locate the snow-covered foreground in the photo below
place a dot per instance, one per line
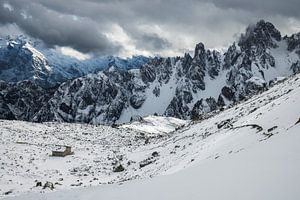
(250, 151)
(26, 149)
(269, 170)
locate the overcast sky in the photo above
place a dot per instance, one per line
(148, 27)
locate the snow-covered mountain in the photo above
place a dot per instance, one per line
(22, 58)
(184, 87)
(248, 151)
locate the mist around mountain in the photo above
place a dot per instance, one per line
(112, 90)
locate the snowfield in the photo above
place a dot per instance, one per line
(248, 151)
(156, 125)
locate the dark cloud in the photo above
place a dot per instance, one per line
(154, 26)
(153, 42)
(57, 29)
(288, 8)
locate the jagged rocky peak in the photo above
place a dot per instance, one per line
(148, 73)
(231, 56)
(213, 63)
(186, 63)
(262, 34)
(293, 42)
(200, 55)
(199, 50)
(20, 61)
(158, 69)
(204, 60)
(185, 87)
(24, 58)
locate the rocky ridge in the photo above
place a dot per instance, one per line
(184, 87)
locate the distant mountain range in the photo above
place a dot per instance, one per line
(39, 85)
(22, 58)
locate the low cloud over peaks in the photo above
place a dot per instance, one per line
(148, 27)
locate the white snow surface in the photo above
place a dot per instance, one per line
(156, 124)
(248, 151)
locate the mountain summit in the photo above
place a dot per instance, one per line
(184, 87)
(22, 58)
(263, 35)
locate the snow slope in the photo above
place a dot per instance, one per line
(269, 170)
(248, 151)
(156, 125)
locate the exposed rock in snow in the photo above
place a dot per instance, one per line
(187, 87)
(250, 150)
(184, 87)
(22, 100)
